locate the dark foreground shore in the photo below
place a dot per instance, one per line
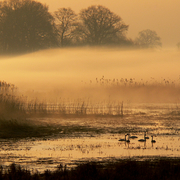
(162, 168)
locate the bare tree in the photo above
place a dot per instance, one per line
(178, 45)
(148, 39)
(100, 25)
(66, 23)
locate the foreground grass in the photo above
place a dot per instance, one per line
(164, 168)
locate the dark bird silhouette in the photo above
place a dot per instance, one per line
(142, 140)
(123, 139)
(128, 138)
(153, 141)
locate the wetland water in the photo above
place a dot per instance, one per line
(82, 139)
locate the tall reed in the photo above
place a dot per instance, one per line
(116, 91)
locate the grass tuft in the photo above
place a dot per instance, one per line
(163, 168)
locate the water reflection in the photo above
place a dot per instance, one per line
(72, 147)
(54, 151)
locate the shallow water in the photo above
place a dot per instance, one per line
(96, 139)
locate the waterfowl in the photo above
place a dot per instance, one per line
(128, 138)
(153, 141)
(142, 140)
(123, 139)
(146, 137)
(133, 137)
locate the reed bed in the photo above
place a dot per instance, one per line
(110, 102)
(133, 83)
(11, 105)
(15, 110)
(75, 107)
(108, 97)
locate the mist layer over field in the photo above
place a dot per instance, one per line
(79, 71)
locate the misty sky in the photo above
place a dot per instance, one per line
(163, 16)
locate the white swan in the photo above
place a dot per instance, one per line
(153, 141)
(123, 139)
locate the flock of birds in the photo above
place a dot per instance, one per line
(134, 137)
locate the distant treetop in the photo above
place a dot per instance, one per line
(27, 25)
(148, 39)
(101, 26)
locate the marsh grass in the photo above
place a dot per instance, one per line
(108, 101)
(152, 90)
(108, 96)
(159, 168)
(15, 109)
(15, 106)
(74, 107)
(134, 83)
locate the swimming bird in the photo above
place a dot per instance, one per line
(133, 137)
(153, 141)
(123, 139)
(128, 138)
(142, 140)
(146, 137)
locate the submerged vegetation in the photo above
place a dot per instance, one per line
(163, 168)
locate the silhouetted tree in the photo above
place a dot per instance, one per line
(148, 39)
(101, 26)
(178, 45)
(66, 23)
(25, 25)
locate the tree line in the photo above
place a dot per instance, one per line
(27, 25)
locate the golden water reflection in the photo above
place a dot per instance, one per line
(44, 154)
(94, 138)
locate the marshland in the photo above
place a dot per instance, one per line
(68, 107)
(89, 91)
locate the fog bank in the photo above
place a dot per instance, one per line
(73, 68)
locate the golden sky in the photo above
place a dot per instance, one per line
(163, 16)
